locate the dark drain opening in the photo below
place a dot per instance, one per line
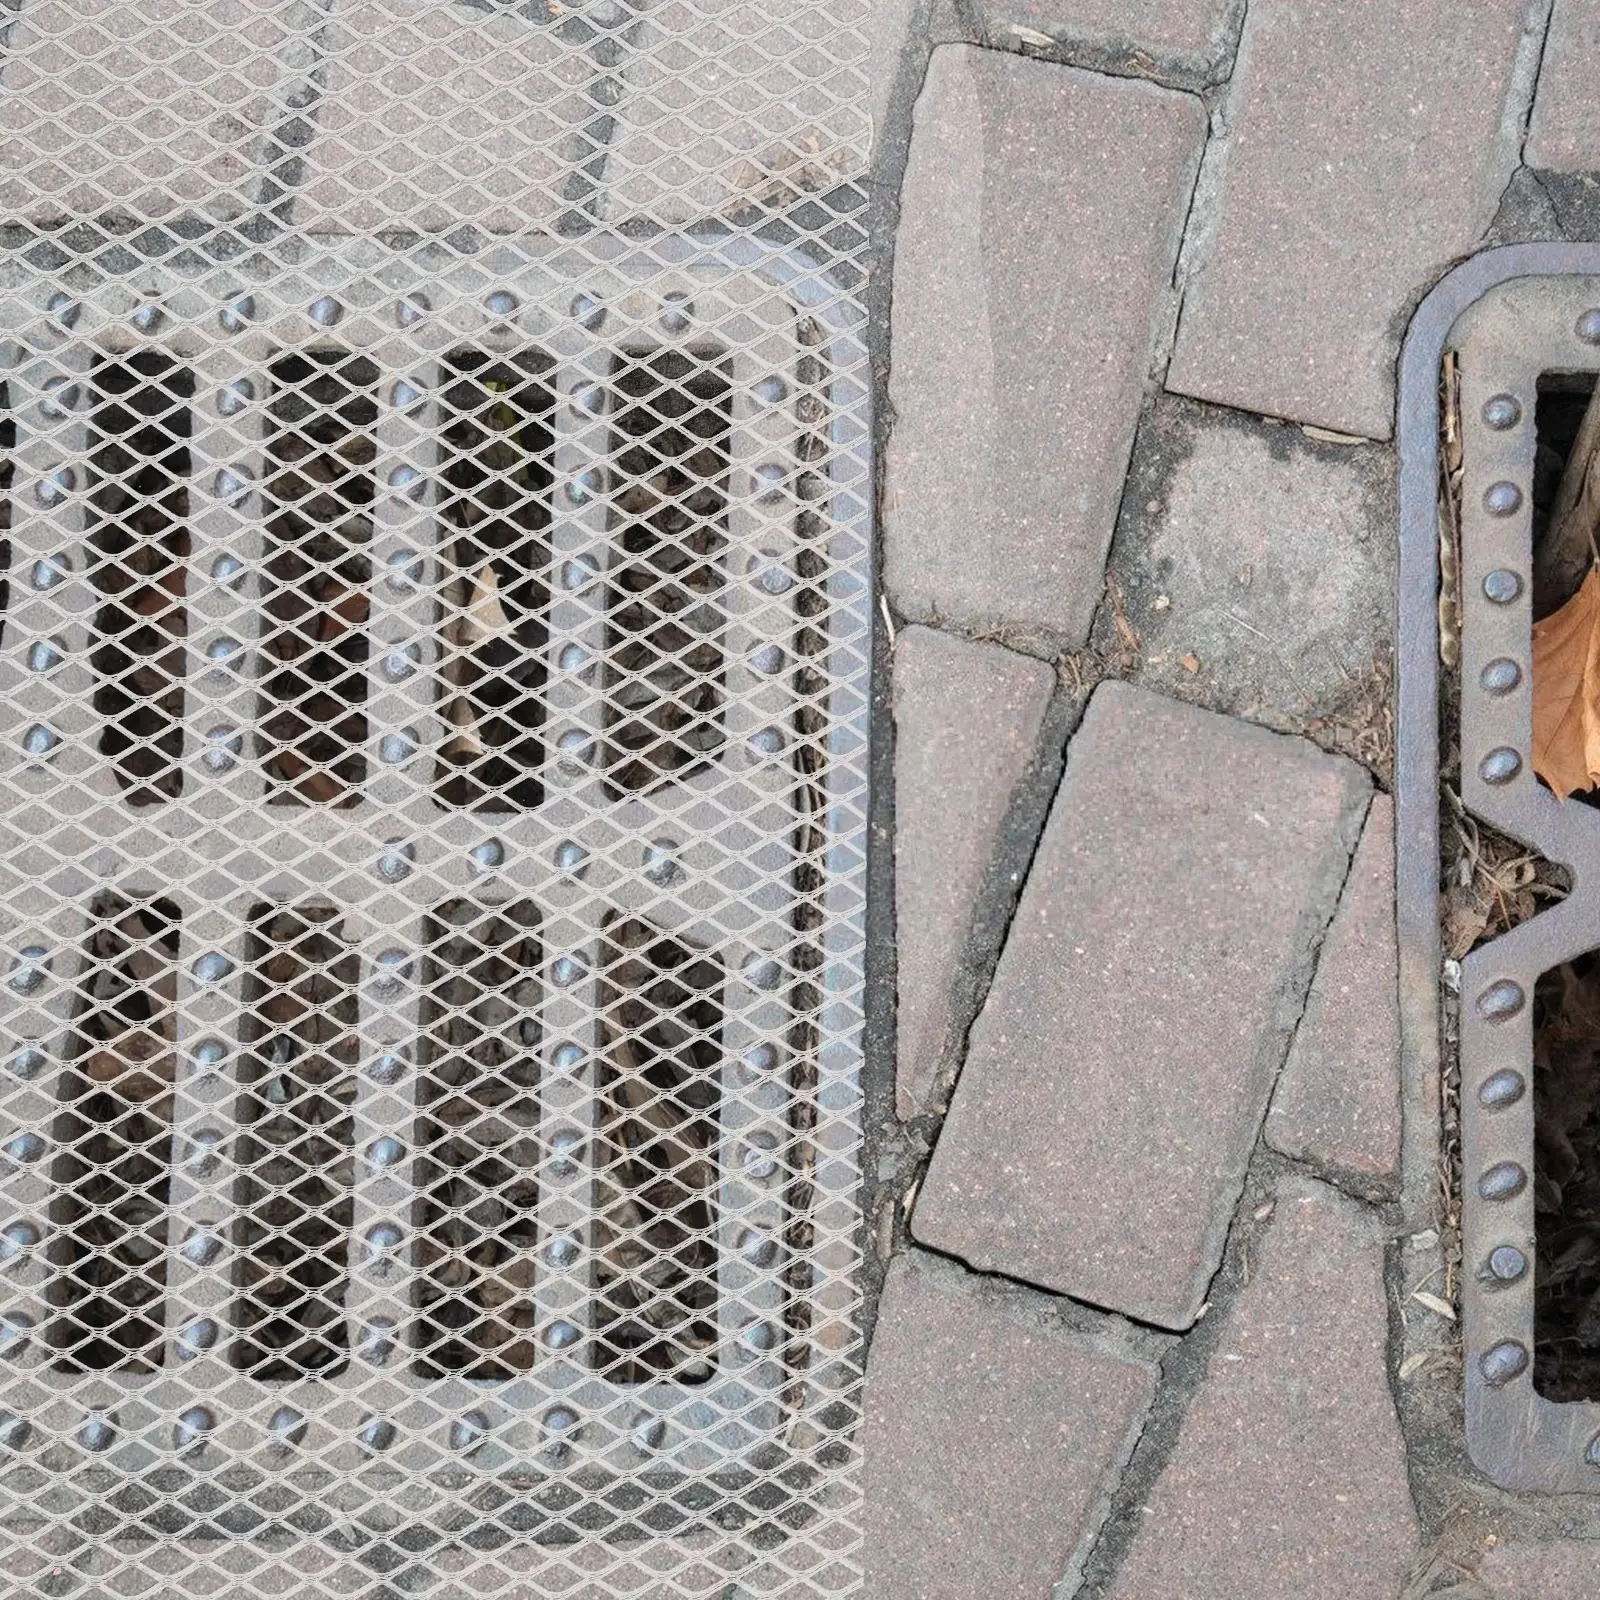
(109, 1219)
(295, 1196)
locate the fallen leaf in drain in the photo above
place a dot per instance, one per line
(1566, 692)
(1434, 1303)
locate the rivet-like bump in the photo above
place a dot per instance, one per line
(235, 396)
(567, 1057)
(15, 1331)
(1505, 1180)
(661, 865)
(50, 572)
(202, 1249)
(1506, 1263)
(1502, 999)
(227, 568)
(197, 1337)
(759, 1249)
(757, 1159)
(567, 972)
(562, 1335)
(238, 314)
(231, 484)
(387, 1068)
(287, 1427)
(382, 1237)
(60, 396)
(23, 1149)
(1502, 586)
(395, 749)
(566, 1144)
(1503, 1362)
(677, 314)
(26, 1063)
(148, 317)
(63, 309)
(563, 1251)
(223, 747)
(398, 857)
(98, 1433)
(407, 479)
(15, 1431)
(762, 971)
(412, 309)
(39, 741)
(393, 967)
(1588, 327)
(1500, 676)
(487, 855)
(772, 390)
(768, 659)
(649, 1432)
(375, 1343)
(377, 1433)
(468, 1431)
(29, 969)
(588, 310)
(326, 311)
(405, 571)
(190, 1431)
(1502, 499)
(1502, 411)
(1500, 766)
(760, 1058)
(54, 487)
(17, 1241)
(385, 1152)
(398, 665)
(213, 967)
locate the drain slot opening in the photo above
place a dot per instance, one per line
(295, 1198)
(114, 1135)
(321, 451)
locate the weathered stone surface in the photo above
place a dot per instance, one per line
(142, 110)
(966, 720)
(1337, 211)
(1564, 1570)
(737, 102)
(1193, 35)
(1288, 1478)
(990, 1440)
(1040, 220)
(1121, 1066)
(435, 115)
(1564, 131)
(1257, 567)
(1338, 1101)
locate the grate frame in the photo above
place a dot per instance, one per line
(1510, 315)
(741, 1424)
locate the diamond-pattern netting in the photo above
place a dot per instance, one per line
(434, 643)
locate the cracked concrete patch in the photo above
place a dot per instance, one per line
(1256, 564)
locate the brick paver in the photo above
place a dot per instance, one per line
(1564, 131)
(1256, 566)
(1194, 34)
(740, 101)
(455, 85)
(1562, 1570)
(1121, 1066)
(1338, 1101)
(1040, 220)
(1288, 1477)
(990, 1441)
(1367, 153)
(143, 109)
(966, 720)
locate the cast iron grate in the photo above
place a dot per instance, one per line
(420, 1015)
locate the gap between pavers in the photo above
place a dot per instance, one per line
(992, 1438)
(1288, 1477)
(1120, 1069)
(1188, 41)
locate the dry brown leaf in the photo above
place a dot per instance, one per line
(485, 617)
(1439, 1306)
(1566, 692)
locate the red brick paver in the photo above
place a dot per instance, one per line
(1288, 1480)
(966, 720)
(990, 1442)
(1339, 1098)
(1041, 214)
(1120, 1069)
(1367, 153)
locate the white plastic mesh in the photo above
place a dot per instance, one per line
(433, 684)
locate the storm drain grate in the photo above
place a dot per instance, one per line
(432, 749)
(1516, 336)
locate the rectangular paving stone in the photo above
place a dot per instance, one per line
(1366, 154)
(1039, 224)
(1257, 567)
(490, 109)
(990, 1440)
(966, 718)
(1289, 1474)
(137, 109)
(1193, 35)
(737, 102)
(1119, 1071)
(1564, 131)
(1338, 1101)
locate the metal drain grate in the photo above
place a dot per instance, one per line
(1512, 319)
(433, 753)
